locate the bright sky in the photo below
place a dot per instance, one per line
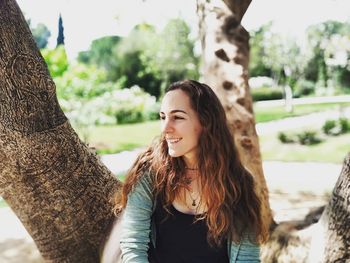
(85, 20)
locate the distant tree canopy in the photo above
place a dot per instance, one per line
(40, 33)
(322, 62)
(146, 58)
(329, 45)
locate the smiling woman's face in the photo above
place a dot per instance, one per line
(180, 125)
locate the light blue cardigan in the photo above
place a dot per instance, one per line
(136, 229)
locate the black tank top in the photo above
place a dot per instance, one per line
(181, 239)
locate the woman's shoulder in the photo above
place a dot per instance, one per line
(144, 184)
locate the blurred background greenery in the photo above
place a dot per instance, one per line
(111, 92)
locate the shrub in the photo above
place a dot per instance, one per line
(336, 127)
(56, 60)
(83, 82)
(308, 138)
(344, 125)
(303, 88)
(329, 127)
(284, 138)
(266, 93)
(115, 107)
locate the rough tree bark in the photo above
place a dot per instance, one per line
(225, 50)
(315, 239)
(59, 190)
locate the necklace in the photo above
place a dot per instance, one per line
(191, 169)
(190, 175)
(194, 200)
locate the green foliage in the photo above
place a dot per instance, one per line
(83, 82)
(329, 127)
(100, 53)
(285, 138)
(118, 106)
(344, 125)
(146, 58)
(308, 138)
(304, 138)
(257, 66)
(266, 93)
(60, 37)
(275, 55)
(41, 35)
(171, 57)
(333, 149)
(129, 105)
(336, 127)
(3, 203)
(329, 49)
(324, 60)
(56, 60)
(303, 88)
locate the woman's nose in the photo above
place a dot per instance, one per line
(167, 126)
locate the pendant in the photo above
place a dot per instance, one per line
(194, 203)
(188, 180)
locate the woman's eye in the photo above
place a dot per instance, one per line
(178, 118)
(162, 117)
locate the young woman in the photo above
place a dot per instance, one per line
(188, 197)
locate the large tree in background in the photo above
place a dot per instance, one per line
(60, 190)
(225, 51)
(225, 46)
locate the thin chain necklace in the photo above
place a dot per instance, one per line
(194, 200)
(191, 169)
(189, 175)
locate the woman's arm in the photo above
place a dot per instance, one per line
(245, 252)
(136, 222)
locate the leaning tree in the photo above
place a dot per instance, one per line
(60, 190)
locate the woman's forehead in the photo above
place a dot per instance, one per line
(176, 100)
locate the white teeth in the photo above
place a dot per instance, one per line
(173, 140)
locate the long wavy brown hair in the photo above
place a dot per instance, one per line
(228, 189)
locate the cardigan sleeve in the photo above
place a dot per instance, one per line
(245, 252)
(136, 222)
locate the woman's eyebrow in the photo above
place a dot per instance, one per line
(175, 111)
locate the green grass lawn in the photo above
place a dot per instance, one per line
(264, 114)
(333, 149)
(2, 203)
(113, 139)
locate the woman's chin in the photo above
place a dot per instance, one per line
(173, 153)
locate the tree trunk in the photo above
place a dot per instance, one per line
(225, 49)
(59, 189)
(335, 221)
(314, 240)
